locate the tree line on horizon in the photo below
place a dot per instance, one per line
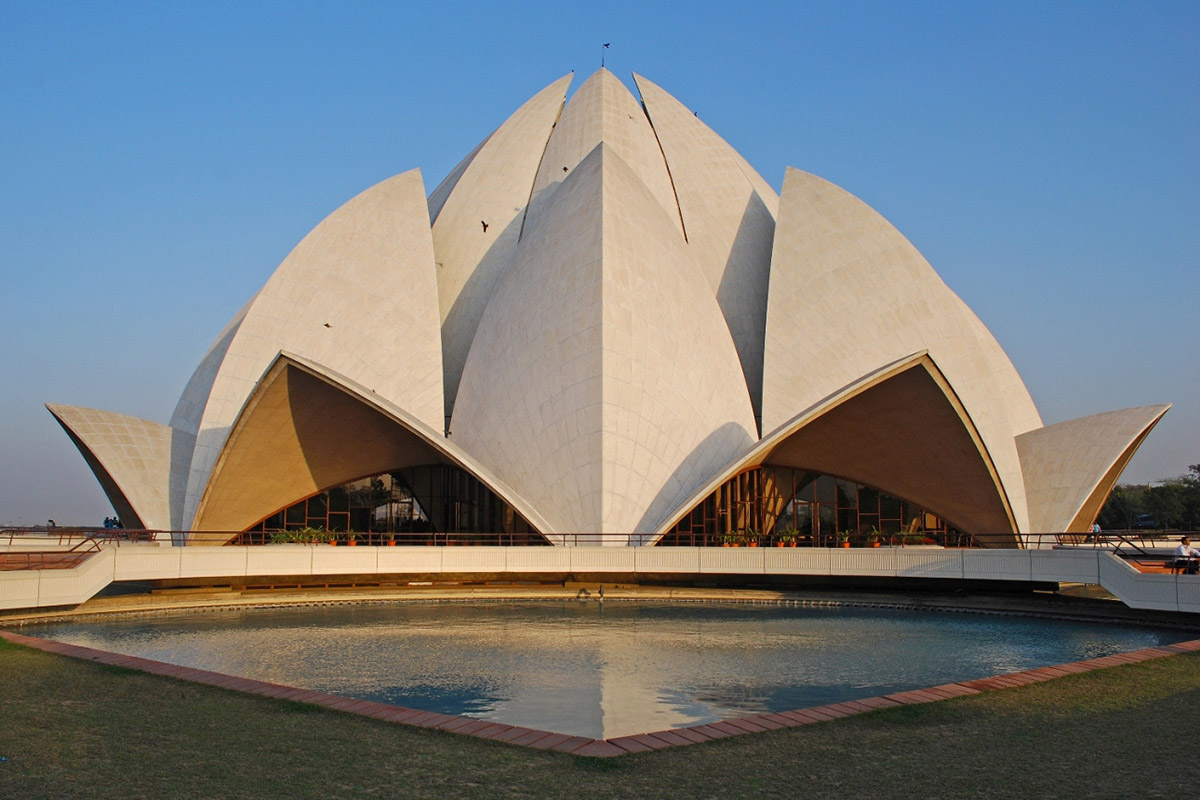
(1173, 503)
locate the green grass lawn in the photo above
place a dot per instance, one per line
(76, 729)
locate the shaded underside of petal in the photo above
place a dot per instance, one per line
(306, 429)
(477, 224)
(141, 465)
(1070, 467)
(358, 294)
(909, 437)
(603, 385)
(848, 292)
(901, 429)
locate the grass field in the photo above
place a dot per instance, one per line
(76, 729)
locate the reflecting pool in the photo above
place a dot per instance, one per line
(604, 669)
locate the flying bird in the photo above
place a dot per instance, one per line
(484, 224)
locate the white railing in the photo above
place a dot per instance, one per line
(27, 589)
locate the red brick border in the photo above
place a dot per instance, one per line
(581, 745)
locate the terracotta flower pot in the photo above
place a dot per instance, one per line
(846, 545)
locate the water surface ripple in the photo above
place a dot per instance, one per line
(606, 669)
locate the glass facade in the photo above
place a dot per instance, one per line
(435, 504)
(779, 505)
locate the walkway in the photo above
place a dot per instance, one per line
(152, 561)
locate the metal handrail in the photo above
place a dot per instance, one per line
(1125, 544)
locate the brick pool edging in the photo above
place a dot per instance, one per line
(582, 745)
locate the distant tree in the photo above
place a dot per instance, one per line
(1166, 503)
(1122, 508)
(1191, 498)
(1174, 503)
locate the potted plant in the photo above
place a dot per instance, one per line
(874, 538)
(843, 538)
(787, 538)
(351, 539)
(305, 535)
(751, 537)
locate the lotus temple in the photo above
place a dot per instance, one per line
(605, 324)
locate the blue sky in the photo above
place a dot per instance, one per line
(160, 160)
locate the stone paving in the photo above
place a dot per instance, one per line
(581, 745)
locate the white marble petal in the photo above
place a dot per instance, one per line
(603, 385)
(729, 220)
(492, 186)
(1070, 467)
(603, 110)
(358, 294)
(137, 462)
(848, 292)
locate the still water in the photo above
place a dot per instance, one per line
(606, 669)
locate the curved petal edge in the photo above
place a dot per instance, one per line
(141, 465)
(1071, 467)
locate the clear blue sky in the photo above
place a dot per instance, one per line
(158, 161)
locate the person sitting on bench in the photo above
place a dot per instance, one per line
(1187, 558)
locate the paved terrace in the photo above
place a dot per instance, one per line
(33, 586)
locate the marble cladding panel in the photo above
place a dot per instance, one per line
(1065, 565)
(667, 559)
(289, 559)
(70, 586)
(919, 563)
(997, 564)
(602, 559)
(796, 561)
(535, 559)
(733, 560)
(473, 559)
(863, 561)
(344, 560)
(209, 562)
(409, 559)
(19, 589)
(144, 563)
(1187, 589)
(1138, 589)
